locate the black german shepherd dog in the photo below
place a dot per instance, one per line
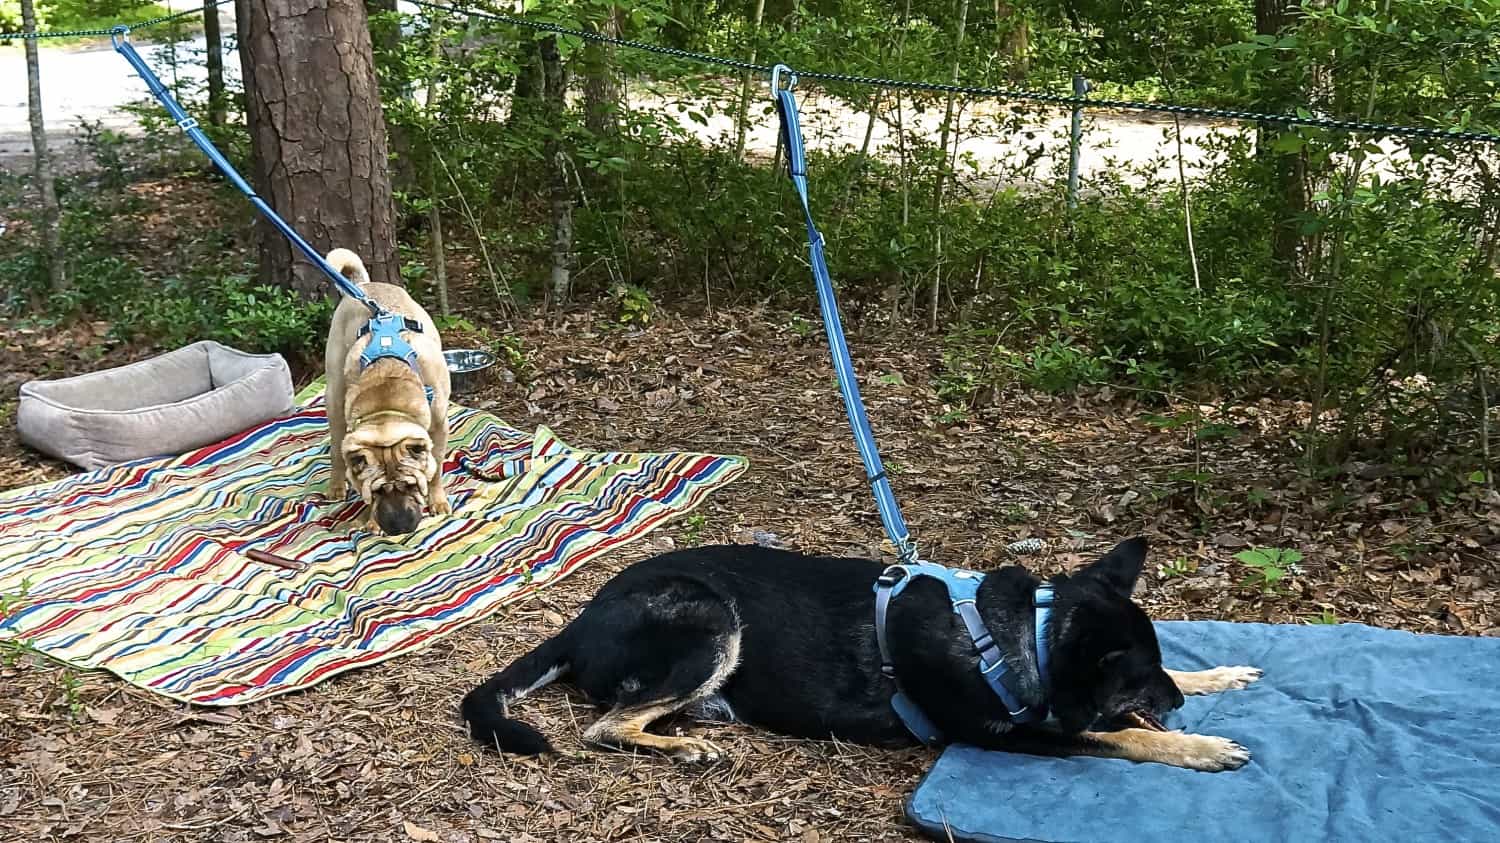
(785, 641)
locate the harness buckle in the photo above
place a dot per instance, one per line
(888, 579)
(888, 671)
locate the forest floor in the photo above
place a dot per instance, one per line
(380, 754)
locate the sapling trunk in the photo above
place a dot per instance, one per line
(41, 159)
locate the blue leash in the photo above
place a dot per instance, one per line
(119, 39)
(885, 501)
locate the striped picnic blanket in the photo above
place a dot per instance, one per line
(137, 568)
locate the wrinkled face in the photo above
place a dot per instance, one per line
(392, 469)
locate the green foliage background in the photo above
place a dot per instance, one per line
(1324, 267)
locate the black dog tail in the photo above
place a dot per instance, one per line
(485, 707)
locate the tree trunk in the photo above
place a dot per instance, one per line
(317, 136)
(435, 207)
(742, 119)
(528, 87)
(214, 44)
(42, 161)
(601, 92)
(555, 91)
(936, 291)
(1287, 246)
(1014, 35)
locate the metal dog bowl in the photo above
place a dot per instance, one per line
(468, 368)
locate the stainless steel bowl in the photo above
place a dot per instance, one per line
(468, 368)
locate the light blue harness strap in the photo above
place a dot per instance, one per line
(963, 593)
(1043, 600)
(864, 438)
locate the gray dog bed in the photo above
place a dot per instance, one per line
(167, 405)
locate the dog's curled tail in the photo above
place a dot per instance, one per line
(485, 707)
(348, 265)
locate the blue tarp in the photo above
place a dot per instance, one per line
(1357, 734)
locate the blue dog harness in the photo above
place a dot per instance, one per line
(963, 591)
(384, 330)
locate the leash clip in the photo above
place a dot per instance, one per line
(791, 79)
(119, 35)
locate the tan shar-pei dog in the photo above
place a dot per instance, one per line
(389, 437)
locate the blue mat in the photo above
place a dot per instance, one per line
(1357, 734)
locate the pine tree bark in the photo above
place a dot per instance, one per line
(601, 91)
(41, 159)
(1287, 241)
(214, 47)
(317, 135)
(1014, 37)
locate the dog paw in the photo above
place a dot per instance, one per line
(1209, 754)
(440, 505)
(337, 490)
(1214, 680)
(696, 751)
(1234, 678)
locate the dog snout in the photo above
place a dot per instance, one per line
(397, 514)
(1169, 696)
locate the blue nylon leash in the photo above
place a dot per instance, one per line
(119, 39)
(864, 438)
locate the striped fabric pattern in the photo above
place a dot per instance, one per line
(137, 568)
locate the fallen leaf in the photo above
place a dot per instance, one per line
(420, 834)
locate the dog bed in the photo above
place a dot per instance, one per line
(166, 405)
(1357, 734)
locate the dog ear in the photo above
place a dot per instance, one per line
(1121, 567)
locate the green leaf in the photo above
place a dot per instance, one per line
(1289, 143)
(1253, 558)
(1477, 477)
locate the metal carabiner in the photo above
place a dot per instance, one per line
(791, 81)
(118, 35)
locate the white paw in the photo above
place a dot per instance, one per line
(1233, 678)
(1209, 754)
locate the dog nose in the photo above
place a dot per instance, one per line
(396, 519)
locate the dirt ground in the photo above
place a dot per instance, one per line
(380, 754)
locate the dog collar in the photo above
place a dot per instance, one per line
(384, 331)
(963, 591)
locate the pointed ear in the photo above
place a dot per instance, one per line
(1121, 567)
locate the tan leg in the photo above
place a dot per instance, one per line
(333, 402)
(625, 728)
(437, 495)
(1195, 752)
(1214, 680)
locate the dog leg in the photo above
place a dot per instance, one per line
(437, 494)
(338, 484)
(625, 728)
(1206, 753)
(697, 674)
(1214, 680)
